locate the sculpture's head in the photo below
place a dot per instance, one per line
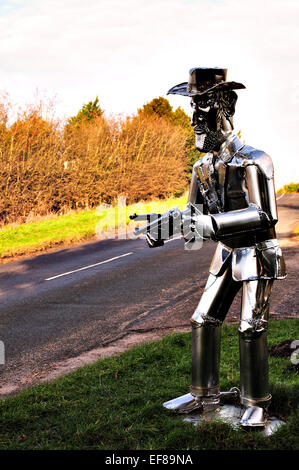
(213, 101)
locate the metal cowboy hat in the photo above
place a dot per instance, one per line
(202, 80)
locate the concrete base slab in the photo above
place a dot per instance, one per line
(231, 414)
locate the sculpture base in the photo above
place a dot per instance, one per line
(232, 415)
(224, 407)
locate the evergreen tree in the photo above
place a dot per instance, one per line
(159, 107)
(88, 112)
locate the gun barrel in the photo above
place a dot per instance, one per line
(150, 226)
(147, 217)
(159, 222)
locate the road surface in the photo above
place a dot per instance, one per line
(58, 306)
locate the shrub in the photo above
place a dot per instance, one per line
(289, 188)
(47, 167)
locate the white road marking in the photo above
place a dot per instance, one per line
(171, 240)
(277, 199)
(88, 267)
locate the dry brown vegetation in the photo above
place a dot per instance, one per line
(47, 166)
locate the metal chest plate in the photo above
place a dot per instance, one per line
(222, 185)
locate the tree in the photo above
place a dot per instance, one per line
(180, 118)
(88, 112)
(162, 108)
(158, 106)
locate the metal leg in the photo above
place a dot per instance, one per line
(206, 333)
(205, 360)
(254, 381)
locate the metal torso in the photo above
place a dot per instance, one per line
(230, 184)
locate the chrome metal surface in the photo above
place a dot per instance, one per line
(220, 259)
(203, 80)
(205, 358)
(205, 225)
(254, 368)
(210, 403)
(189, 403)
(254, 416)
(235, 184)
(216, 299)
(241, 220)
(184, 404)
(253, 342)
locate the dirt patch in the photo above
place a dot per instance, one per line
(282, 349)
(294, 368)
(285, 350)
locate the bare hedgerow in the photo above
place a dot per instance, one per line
(28, 173)
(47, 168)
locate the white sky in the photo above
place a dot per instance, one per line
(130, 51)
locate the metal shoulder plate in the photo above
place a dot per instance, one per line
(251, 156)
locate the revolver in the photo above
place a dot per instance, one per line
(161, 227)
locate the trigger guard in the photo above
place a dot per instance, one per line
(152, 243)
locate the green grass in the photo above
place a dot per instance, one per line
(29, 238)
(116, 403)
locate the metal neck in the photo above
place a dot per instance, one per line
(230, 147)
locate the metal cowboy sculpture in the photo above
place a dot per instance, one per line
(234, 184)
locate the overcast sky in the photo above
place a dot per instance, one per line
(130, 51)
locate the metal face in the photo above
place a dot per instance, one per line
(212, 118)
(207, 120)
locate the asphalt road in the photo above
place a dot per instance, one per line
(59, 305)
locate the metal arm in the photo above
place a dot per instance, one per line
(239, 221)
(261, 212)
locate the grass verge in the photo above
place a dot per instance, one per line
(34, 237)
(289, 188)
(116, 403)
